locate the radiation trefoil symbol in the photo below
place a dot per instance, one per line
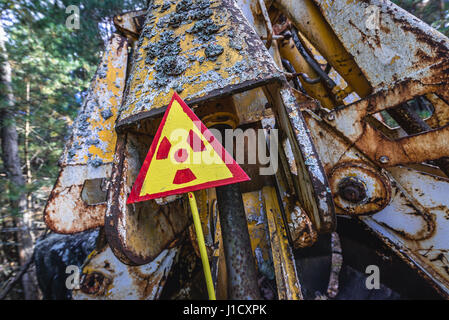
(184, 156)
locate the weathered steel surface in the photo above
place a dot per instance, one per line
(256, 217)
(312, 187)
(253, 14)
(414, 222)
(343, 161)
(351, 121)
(300, 230)
(138, 232)
(200, 49)
(341, 85)
(411, 123)
(317, 91)
(417, 223)
(402, 58)
(76, 203)
(130, 23)
(376, 189)
(252, 106)
(387, 43)
(285, 269)
(104, 277)
(240, 262)
(306, 16)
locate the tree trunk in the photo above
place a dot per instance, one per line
(11, 160)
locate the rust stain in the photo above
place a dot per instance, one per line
(138, 232)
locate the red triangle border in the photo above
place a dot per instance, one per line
(238, 175)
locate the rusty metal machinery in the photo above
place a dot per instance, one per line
(320, 74)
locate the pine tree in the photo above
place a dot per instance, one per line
(49, 66)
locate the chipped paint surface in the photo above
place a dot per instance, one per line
(419, 230)
(130, 23)
(267, 233)
(205, 49)
(352, 122)
(93, 137)
(314, 192)
(251, 105)
(377, 187)
(285, 268)
(89, 152)
(301, 228)
(200, 49)
(418, 67)
(258, 230)
(139, 232)
(251, 11)
(308, 19)
(388, 47)
(104, 277)
(414, 223)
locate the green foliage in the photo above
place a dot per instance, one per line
(58, 63)
(433, 12)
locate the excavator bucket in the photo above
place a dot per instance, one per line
(202, 50)
(78, 200)
(198, 48)
(337, 81)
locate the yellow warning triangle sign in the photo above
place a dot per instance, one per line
(184, 156)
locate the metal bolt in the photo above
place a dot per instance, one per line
(384, 159)
(331, 117)
(352, 189)
(95, 283)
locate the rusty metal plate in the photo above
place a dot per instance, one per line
(76, 202)
(312, 188)
(199, 48)
(287, 281)
(344, 162)
(139, 232)
(402, 58)
(351, 121)
(130, 23)
(417, 223)
(253, 14)
(104, 277)
(387, 43)
(359, 188)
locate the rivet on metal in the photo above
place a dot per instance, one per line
(384, 159)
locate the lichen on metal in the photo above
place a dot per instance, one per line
(89, 151)
(199, 48)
